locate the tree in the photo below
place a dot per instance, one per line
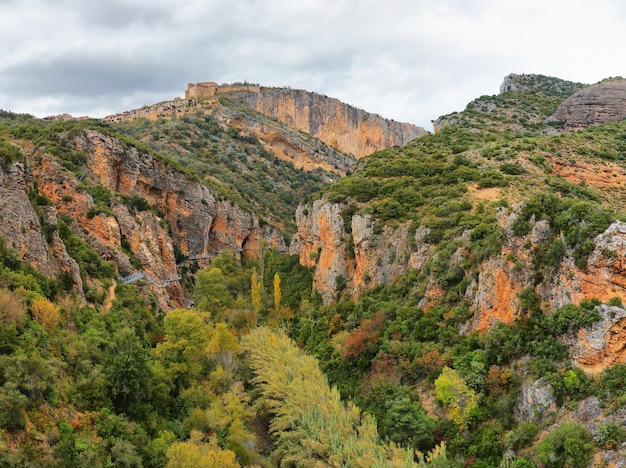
(196, 453)
(407, 424)
(183, 352)
(309, 420)
(454, 393)
(46, 313)
(12, 309)
(567, 445)
(276, 293)
(280, 314)
(255, 290)
(126, 366)
(211, 294)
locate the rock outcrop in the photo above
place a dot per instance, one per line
(535, 402)
(286, 143)
(350, 130)
(19, 223)
(597, 104)
(603, 343)
(174, 211)
(353, 253)
(355, 259)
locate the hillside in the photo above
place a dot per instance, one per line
(455, 301)
(472, 237)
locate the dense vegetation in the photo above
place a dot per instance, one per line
(237, 166)
(260, 372)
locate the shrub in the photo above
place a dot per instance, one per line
(9, 153)
(512, 168)
(567, 445)
(609, 435)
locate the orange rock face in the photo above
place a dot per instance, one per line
(602, 344)
(180, 211)
(339, 125)
(295, 147)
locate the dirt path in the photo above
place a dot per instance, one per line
(108, 302)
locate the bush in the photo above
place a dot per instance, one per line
(567, 445)
(512, 168)
(9, 153)
(609, 435)
(521, 437)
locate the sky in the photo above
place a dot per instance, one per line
(408, 60)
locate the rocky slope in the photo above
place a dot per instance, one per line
(152, 214)
(350, 130)
(524, 103)
(392, 217)
(290, 145)
(597, 104)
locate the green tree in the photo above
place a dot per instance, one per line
(567, 445)
(183, 352)
(459, 399)
(211, 294)
(127, 369)
(407, 424)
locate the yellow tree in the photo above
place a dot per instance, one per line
(255, 289)
(310, 422)
(459, 399)
(196, 453)
(46, 313)
(277, 294)
(280, 314)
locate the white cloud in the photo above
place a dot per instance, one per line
(410, 60)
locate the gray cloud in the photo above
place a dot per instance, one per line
(409, 60)
(86, 75)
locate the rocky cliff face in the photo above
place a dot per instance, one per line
(19, 224)
(288, 144)
(597, 104)
(182, 213)
(355, 260)
(339, 125)
(382, 253)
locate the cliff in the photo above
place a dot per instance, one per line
(355, 259)
(350, 130)
(153, 210)
(291, 145)
(350, 261)
(597, 104)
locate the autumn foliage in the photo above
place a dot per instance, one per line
(368, 332)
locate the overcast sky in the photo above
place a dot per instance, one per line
(410, 60)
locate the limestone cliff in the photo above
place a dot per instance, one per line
(356, 260)
(350, 130)
(19, 224)
(175, 212)
(286, 143)
(597, 104)
(351, 257)
(602, 344)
